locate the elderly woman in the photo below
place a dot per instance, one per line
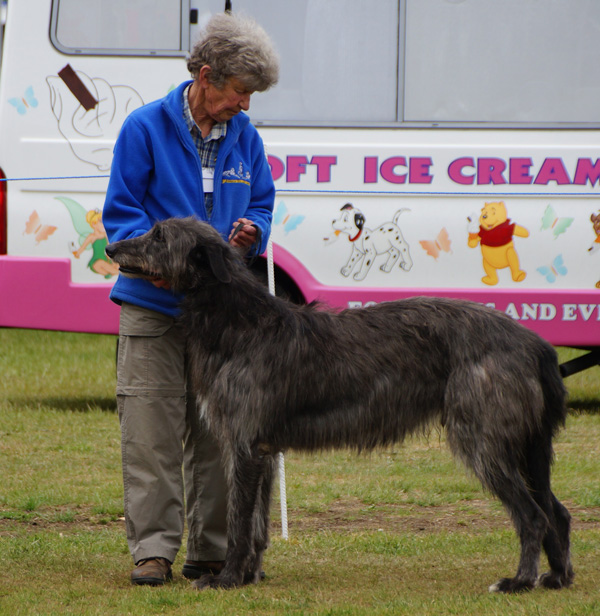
(193, 153)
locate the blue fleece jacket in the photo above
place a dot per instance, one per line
(156, 174)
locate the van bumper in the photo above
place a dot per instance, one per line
(38, 294)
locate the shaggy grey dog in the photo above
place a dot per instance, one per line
(270, 375)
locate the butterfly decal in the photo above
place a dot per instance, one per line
(440, 244)
(23, 103)
(551, 221)
(289, 221)
(552, 272)
(35, 227)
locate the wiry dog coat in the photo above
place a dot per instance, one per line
(270, 375)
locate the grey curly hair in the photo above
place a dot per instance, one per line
(235, 46)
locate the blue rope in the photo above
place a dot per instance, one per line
(354, 192)
(59, 177)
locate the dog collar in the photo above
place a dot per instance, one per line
(353, 239)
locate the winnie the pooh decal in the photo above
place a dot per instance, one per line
(494, 232)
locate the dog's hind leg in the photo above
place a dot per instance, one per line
(556, 542)
(505, 481)
(482, 410)
(393, 256)
(531, 525)
(244, 480)
(557, 547)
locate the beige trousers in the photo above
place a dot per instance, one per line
(161, 433)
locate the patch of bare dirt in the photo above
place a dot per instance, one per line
(57, 519)
(469, 516)
(347, 515)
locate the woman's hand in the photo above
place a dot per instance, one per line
(244, 237)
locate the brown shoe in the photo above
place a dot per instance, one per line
(152, 572)
(193, 569)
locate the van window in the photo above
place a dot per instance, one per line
(135, 27)
(339, 60)
(509, 61)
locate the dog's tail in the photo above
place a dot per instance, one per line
(555, 392)
(397, 214)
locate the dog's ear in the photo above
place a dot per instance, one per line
(216, 258)
(359, 220)
(214, 255)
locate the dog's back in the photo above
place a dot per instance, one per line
(369, 377)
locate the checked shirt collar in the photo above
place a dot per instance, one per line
(208, 147)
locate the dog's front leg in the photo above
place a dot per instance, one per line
(366, 264)
(355, 257)
(244, 482)
(261, 519)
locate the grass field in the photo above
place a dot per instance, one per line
(402, 531)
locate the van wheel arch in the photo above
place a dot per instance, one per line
(284, 283)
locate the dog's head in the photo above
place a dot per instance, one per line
(182, 251)
(350, 220)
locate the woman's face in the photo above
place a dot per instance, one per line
(221, 104)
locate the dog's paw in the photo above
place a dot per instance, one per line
(254, 576)
(556, 581)
(215, 581)
(511, 585)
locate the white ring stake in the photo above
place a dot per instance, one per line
(280, 458)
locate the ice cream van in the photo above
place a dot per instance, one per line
(418, 147)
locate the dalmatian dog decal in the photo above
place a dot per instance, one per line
(367, 244)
